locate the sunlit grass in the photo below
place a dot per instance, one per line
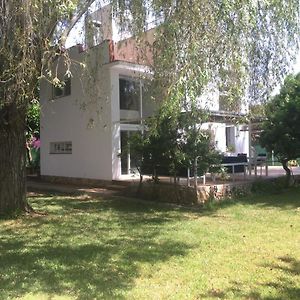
(82, 248)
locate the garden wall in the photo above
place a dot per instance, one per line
(180, 194)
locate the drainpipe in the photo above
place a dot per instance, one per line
(250, 146)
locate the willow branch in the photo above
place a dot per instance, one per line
(73, 22)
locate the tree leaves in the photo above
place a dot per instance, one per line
(246, 46)
(281, 129)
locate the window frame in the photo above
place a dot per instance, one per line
(138, 83)
(66, 89)
(65, 147)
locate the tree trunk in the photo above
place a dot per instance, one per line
(287, 171)
(12, 160)
(195, 174)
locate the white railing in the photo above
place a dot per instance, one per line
(247, 167)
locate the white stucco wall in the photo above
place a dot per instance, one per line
(218, 134)
(242, 140)
(81, 119)
(241, 137)
(209, 100)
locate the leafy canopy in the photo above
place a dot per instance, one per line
(281, 129)
(172, 145)
(241, 46)
(32, 35)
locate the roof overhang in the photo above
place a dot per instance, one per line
(131, 67)
(224, 116)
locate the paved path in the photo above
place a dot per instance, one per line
(36, 185)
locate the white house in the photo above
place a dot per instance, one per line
(85, 125)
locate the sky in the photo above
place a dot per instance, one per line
(297, 65)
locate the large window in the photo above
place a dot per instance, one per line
(130, 96)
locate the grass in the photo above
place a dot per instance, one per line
(120, 249)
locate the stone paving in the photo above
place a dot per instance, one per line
(114, 189)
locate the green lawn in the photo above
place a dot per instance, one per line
(120, 249)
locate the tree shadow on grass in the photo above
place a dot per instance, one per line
(283, 287)
(83, 248)
(283, 200)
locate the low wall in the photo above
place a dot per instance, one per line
(163, 192)
(223, 191)
(180, 194)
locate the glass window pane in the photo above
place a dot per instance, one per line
(129, 94)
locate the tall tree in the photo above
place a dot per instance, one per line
(197, 42)
(281, 129)
(28, 30)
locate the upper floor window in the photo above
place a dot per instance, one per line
(130, 94)
(63, 90)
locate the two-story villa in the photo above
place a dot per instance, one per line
(86, 124)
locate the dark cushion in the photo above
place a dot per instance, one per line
(240, 158)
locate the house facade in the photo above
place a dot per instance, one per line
(86, 123)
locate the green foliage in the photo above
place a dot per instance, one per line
(240, 46)
(257, 110)
(172, 145)
(33, 118)
(32, 38)
(267, 187)
(196, 143)
(33, 134)
(281, 129)
(233, 44)
(27, 35)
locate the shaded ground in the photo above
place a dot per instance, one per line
(35, 184)
(88, 248)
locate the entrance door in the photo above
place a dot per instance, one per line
(128, 161)
(125, 151)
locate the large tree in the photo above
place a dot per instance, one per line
(238, 45)
(281, 129)
(28, 30)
